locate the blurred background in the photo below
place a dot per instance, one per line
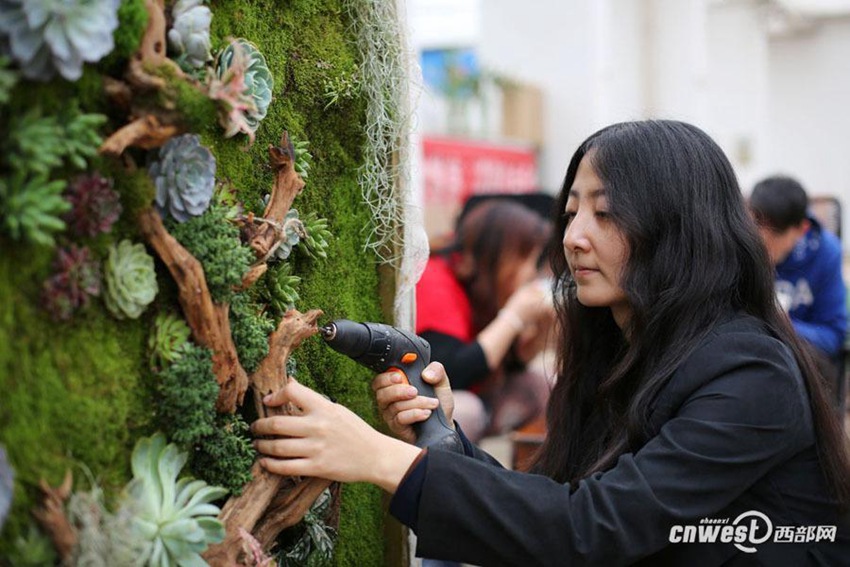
(510, 88)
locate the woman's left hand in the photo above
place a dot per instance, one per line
(328, 441)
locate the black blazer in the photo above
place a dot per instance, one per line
(732, 436)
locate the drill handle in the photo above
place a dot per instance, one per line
(436, 431)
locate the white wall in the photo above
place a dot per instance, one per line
(808, 122)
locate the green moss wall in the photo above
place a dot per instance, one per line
(78, 394)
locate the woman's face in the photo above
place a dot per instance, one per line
(595, 248)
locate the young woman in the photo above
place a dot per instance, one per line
(485, 312)
(684, 402)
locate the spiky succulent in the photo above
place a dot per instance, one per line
(317, 541)
(8, 79)
(303, 158)
(225, 457)
(251, 329)
(189, 36)
(175, 519)
(168, 339)
(130, 280)
(32, 207)
(259, 83)
(187, 392)
(75, 279)
(184, 176)
(279, 291)
(39, 143)
(46, 36)
(95, 205)
(317, 236)
(215, 243)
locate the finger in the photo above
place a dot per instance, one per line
(387, 379)
(393, 394)
(435, 373)
(287, 467)
(411, 416)
(283, 448)
(280, 425)
(301, 396)
(419, 402)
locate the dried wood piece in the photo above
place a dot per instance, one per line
(151, 53)
(51, 515)
(253, 274)
(288, 508)
(287, 185)
(209, 322)
(258, 496)
(146, 132)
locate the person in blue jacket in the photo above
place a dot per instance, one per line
(808, 260)
(688, 426)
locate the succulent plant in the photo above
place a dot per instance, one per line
(303, 158)
(279, 291)
(168, 340)
(174, 518)
(189, 36)
(76, 278)
(95, 205)
(293, 230)
(317, 236)
(184, 177)
(187, 392)
(38, 143)
(259, 83)
(130, 280)
(317, 541)
(46, 36)
(215, 242)
(32, 207)
(235, 100)
(80, 139)
(8, 79)
(225, 457)
(35, 142)
(250, 328)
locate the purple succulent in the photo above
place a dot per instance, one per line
(95, 205)
(76, 278)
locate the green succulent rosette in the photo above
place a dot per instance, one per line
(130, 280)
(259, 82)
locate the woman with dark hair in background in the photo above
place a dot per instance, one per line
(685, 402)
(485, 311)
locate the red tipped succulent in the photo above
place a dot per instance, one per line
(95, 205)
(76, 278)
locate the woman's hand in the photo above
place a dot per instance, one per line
(401, 405)
(328, 441)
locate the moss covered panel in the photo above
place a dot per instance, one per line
(77, 394)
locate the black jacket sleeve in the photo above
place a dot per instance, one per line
(747, 412)
(465, 363)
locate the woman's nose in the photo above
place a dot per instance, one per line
(574, 236)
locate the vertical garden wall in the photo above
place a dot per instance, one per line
(182, 187)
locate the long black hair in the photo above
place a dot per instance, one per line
(694, 255)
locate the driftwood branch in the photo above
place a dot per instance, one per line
(146, 132)
(50, 514)
(287, 185)
(270, 501)
(152, 51)
(209, 322)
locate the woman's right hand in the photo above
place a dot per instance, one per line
(401, 405)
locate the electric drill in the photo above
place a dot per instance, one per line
(381, 348)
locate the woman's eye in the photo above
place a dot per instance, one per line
(602, 214)
(569, 216)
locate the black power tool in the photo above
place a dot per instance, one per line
(382, 348)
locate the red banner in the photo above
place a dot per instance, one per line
(455, 169)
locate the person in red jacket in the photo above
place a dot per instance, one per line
(688, 425)
(486, 311)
